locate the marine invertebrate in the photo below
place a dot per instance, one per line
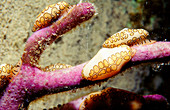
(155, 101)
(112, 57)
(39, 40)
(31, 79)
(55, 67)
(22, 84)
(113, 98)
(50, 14)
(126, 37)
(152, 51)
(107, 62)
(7, 72)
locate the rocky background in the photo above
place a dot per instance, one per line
(81, 44)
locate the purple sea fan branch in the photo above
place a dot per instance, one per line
(32, 80)
(37, 43)
(152, 51)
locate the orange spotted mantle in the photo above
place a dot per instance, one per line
(114, 54)
(50, 14)
(126, 37)
(7, 72)
(110, 59)
(44, 19)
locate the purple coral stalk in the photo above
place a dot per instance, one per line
(31, 80)
(155, 102)
(40, 39)
(152, 51)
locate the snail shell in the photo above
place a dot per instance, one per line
(126, 37)
(7, 72)
(114, 54)
(50, 14)
(107, 62)
(112, 99)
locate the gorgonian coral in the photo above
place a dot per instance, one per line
(32, 79)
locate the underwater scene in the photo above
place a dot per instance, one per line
(84, 55)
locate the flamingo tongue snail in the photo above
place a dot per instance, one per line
(29, 81)
(114, 54)
(32, 80)
(8, 72)
(38, 42)
(107, 62)
(50, 14)
(127, 37)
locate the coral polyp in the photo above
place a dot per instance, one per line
(57, 66)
